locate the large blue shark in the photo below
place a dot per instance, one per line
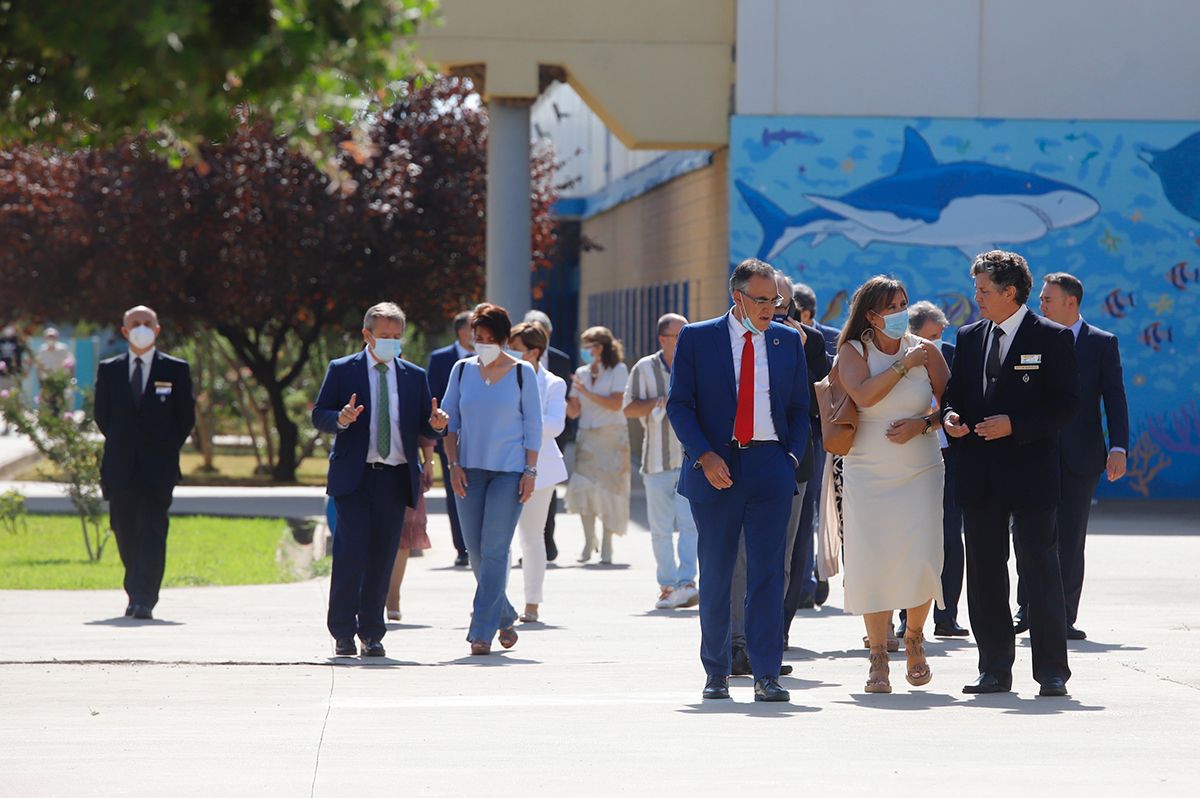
(967, 205)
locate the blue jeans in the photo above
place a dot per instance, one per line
(489, 515)
(668, 512)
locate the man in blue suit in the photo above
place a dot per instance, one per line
(739, 404)
(1084, 457)
(377, 406)
(440, 363)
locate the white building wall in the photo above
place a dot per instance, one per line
(1052, 59)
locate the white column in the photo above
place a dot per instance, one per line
(509, 227)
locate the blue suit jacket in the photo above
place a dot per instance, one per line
(348, 375)
(702, 402)
(1099, 361)
(440, 363)
(830, 334)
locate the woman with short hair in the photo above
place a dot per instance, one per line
(529, 341)
(600, 484)
(494, 438)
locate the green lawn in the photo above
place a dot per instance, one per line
(201, 550)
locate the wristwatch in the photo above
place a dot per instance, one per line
(928, 424)
(455, 464)
(531, 471)
(900, 368)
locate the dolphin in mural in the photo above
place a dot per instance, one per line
(967, 205)
(1179, 171)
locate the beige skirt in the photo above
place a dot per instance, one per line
(600, 484)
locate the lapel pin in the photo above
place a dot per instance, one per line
(1025, 378)
(775, 341)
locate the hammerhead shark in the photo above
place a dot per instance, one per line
(966, 205)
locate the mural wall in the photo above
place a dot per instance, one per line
(833, 201)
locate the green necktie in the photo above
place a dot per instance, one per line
(383, 425)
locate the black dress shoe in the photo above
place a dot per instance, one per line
(372, 648)
(1021, 622)
(128, 610)
(462, 561)
(987, 683)
(740, 663)
(822, 592)
(785, 670)
(767, 689)
(142, 613)
(716, 687)
(902, 628)
(344, 647)
(1074, 633)
(951, 629)
(1054, 687)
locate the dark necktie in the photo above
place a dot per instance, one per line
(136, 386)
(743, 425)
(992, 368)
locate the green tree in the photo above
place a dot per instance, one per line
(93, 74)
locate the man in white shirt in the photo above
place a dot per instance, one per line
(662, 456)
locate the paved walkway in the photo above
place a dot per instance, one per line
(233, 693)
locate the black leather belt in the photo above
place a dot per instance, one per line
(381, 466)
(753, 444)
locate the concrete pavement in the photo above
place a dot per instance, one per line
(233, 692)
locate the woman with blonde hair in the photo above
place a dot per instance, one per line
(892, 475)
(600, 484)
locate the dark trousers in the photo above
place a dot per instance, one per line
(139, 520)
(759, 503)
(364, 549)
(451, 507)
(952, 544)
(1072, 518)
(987, 531)
(549, 535)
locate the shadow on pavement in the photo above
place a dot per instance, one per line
(396, 626)
(1014, 704)
(493, 660)
(679, 613)
(372, 662)
(124, 621)
(756, 709)
(1087, 646)
(902, 701)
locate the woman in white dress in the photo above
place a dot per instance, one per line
(528, 342)
(893, 475)
(599, 486)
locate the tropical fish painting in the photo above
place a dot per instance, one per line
(836, 200)
(1118, 303)
(1180, 275)
(1155, 335)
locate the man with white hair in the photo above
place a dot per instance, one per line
(145, 410)
(559, 364)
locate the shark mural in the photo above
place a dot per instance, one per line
(835, 200)
(967, 205)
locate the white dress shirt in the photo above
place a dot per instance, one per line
(1009, 326)
(396, 455)
(764, 427)
(147, 361)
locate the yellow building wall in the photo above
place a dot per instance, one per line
(678, 231)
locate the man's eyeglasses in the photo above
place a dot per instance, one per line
(777, 301)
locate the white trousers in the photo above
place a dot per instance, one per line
(531, 528)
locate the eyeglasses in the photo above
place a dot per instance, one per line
(777, 301)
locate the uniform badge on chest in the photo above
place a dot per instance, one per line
(162, 390)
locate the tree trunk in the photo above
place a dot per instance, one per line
(289, 437)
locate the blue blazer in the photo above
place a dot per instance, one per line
(702, 402)
(440, 363)
(348, 375)
(830, 334)
(1099, 361)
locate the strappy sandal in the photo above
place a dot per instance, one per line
(508, 637)
(479, 648)
(877, 676)
(914, 649)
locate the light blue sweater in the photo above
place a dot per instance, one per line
(495, 423)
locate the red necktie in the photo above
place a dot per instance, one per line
(743, 425)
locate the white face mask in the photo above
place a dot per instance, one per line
(142, 336)
(487, 353)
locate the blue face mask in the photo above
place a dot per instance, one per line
(514, 353)
(586, 356)
(895, 325)
(387, 348)
(747, 323)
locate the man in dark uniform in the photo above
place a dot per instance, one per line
(145, 410)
